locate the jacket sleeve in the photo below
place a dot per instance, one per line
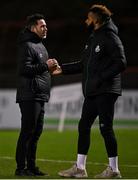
(72, 68)
(116, 55)
(27, 66)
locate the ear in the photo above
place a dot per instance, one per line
(33, 29)
(98, 20)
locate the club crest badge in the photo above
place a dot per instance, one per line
(97, 49)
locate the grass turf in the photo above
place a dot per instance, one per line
(56, 151)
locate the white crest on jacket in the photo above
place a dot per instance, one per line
(97, 49)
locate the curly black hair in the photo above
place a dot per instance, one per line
(102, 11)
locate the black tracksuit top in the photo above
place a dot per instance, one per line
(102, 62)
(34, 80)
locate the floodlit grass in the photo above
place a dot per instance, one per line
(57, 151)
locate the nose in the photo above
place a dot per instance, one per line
(46, 29)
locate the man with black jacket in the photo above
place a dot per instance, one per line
(33, 90)
(102, 62)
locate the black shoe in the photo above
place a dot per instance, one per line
(23, 172)
(20, 172)
(35, 172)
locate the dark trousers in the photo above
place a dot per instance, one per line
(102, 106)
(32, 115)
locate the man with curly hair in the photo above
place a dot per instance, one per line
(101, 65)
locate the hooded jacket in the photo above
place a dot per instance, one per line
(102, 62)
(33, 77)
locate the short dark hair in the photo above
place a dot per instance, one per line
(32, 19)
(102, 11)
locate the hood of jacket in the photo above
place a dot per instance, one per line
(26, 35)
(108, 26)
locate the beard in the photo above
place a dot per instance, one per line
(90, 28)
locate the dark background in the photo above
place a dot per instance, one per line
(66, 34)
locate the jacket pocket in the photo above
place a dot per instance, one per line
(40, 85)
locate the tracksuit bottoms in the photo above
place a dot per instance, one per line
(102, 106)
(32, 115)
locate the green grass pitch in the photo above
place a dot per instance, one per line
(57, 151)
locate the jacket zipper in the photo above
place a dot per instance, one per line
(87, 72)
(86, 78)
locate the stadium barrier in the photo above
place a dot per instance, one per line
(64, 107)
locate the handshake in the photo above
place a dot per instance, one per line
(53, 66)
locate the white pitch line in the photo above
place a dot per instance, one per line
(71, 162)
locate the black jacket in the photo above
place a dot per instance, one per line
(34, 80)
(102, 62)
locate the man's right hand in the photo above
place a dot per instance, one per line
(54, 67)
(52, 64)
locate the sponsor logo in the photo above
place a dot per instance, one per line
(86, 46)
(40, 55)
